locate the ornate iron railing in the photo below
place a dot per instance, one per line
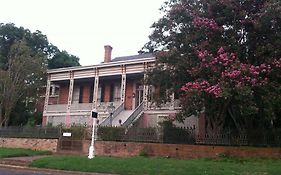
(176, 135)
(134, 116)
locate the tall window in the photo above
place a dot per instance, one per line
(81, 94)
(117, 92)
(111, 97)
(101, 94)
(91, 94)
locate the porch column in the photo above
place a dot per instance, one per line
(172, 103)
(95, 95)
(47, 96)
(69, 101)
(47, 93)
(123, 84)
(145, 88)
(53, 89)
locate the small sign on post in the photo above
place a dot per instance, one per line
(66, 134)
(94, 115)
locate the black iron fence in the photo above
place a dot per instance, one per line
(176, 135)
(30, 132)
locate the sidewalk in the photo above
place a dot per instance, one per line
(22, 163)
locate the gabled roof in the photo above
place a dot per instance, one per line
(132, 57)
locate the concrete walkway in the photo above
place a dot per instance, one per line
(22, 163)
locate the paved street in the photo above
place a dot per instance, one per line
(13, 171)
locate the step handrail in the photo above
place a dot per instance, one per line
(134, 115)
(117, 111)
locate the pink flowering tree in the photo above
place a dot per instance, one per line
(222, 58)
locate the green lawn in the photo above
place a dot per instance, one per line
(18, 152)
(163, 166)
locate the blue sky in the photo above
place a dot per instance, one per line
(83, 27)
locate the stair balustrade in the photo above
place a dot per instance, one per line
(137, 112)
(117, 111)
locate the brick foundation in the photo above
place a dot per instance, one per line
(35, 144)
(126, 149)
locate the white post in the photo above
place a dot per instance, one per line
(47, 94)
(95, 93)
(172, 104)
(145, 88)
(123, 84)
(69, 101)
(92, 146)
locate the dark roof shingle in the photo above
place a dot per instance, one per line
(132, 57)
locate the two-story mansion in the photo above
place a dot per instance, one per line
(113, 88)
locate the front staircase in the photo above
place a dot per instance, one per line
(122, 117)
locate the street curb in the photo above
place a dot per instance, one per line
(49, 171)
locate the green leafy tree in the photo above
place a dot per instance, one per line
(16, 42)
(21, 78)
(63, 59)
(38, 43)
(213, 53)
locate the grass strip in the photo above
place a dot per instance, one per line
(20, 152)
(162, 166)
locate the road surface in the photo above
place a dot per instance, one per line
(12, 170)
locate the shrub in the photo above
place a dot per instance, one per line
(106, 133)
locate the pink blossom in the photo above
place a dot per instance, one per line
(205, 22)
(226, 71)
(221, 50)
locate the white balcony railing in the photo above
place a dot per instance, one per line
(57, 108)
(81, 107)
(167, 105)
(102, 107)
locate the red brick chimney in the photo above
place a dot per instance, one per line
(107, 53)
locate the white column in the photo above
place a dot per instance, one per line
(95, 95)
(47, 94)
(70, 93)
(172, 99)
(53, 89)
(69, 101)
(145, 88)
(123, 87)
(123, 83)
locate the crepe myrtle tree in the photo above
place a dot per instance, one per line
(222, 57)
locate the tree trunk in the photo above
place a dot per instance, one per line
(215, 121)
